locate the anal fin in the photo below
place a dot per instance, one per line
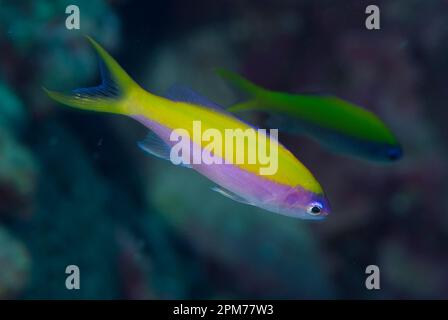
(231, 195)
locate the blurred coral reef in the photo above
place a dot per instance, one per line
(75, 189)
(15, 265)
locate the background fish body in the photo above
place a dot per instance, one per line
(336, 141)
(291, 191)
(337, 124)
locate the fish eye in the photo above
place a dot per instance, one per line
(314, 209)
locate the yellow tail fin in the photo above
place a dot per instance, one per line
(109, 96)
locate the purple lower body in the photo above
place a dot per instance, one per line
(257, 190)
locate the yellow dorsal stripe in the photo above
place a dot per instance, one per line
(180, 115)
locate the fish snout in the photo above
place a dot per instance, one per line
(304, 204)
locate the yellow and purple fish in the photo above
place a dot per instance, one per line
(292, 190)
(340, 125)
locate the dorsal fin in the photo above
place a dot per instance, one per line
(181, 93)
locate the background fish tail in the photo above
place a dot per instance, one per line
(110, 96)
(251, 104)
(240, 82)
(255, 92)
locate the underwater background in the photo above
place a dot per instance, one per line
(75, 189)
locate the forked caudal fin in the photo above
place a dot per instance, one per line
(109, 96)
(239, 81)
(245, 85)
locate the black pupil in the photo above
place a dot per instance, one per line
(315, 209)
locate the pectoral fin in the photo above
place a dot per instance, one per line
(155, 146)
